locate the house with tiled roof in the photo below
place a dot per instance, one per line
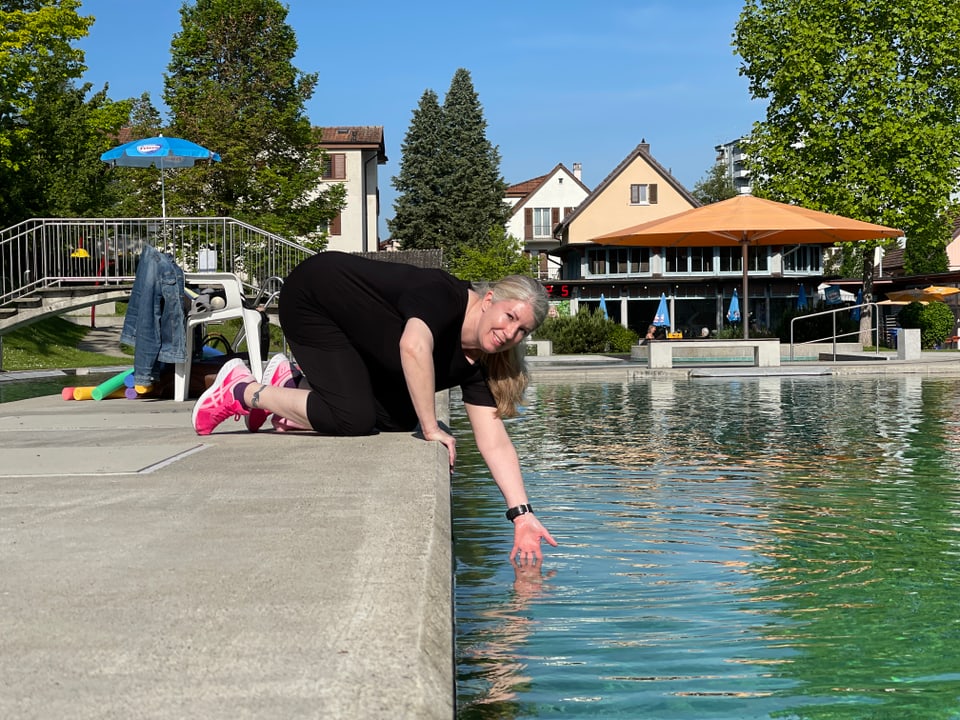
(536, 208)
(698, 281)
(354, 155)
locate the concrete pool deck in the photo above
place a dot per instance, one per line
(147, 572)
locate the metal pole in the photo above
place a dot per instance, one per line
(745, 310)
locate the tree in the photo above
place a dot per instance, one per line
(500, 256)
(418, 209)
(51, 136)
(232, 87)
(450, 188)
(862, 115)
(472, 186)
(715, 186)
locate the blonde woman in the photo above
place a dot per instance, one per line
(375, 341)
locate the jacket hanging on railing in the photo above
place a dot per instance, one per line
(155, 324)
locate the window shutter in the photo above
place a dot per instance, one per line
(335, 225)
(528, 224)
(567, 211)
(554, 218)
(340, 166)
(652, 193)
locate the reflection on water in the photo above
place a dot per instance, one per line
(755, 548)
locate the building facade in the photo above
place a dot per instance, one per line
(354, 155)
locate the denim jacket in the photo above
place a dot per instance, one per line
(155, 325)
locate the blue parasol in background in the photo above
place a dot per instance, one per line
(603, 305)
(161, 152)
(802, 299)
(733, 314)
(662, 318)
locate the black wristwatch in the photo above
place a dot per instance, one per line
(515, 512)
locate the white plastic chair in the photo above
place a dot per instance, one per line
(233, 308)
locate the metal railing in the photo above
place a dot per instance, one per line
(834, 336)
(50, 252)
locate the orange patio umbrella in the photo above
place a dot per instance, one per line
(746, 220)
(932, 293)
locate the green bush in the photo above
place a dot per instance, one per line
(935, 322)
(586, 332)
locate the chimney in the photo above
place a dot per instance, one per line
(578, 171)
(644, 145)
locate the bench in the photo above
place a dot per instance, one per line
(765, 351)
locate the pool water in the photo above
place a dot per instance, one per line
(746, 548)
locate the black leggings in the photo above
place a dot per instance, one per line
(344, 400)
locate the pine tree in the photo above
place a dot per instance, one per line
(232, 87)
(418, 210)
(471, 185)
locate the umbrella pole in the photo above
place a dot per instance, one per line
(745, 310)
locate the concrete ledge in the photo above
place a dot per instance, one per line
(268, 575)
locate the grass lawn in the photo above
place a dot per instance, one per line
(50, 344)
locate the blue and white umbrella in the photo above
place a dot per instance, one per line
(662, 318)
(733, 314)
(161, 152)
(802, 299)
(603, 305)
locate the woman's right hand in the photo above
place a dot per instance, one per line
(445, 439)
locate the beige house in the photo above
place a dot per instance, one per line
(353, 157)
(638, 190)
(537, 206)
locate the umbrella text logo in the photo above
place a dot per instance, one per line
(148, 148)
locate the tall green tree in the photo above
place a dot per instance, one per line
(715, 186)
(51, 133)
(472, 185)
(418, 209)
(232, 87)
(450, 187)
(862, 116)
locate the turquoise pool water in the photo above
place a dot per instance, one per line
(756, 548)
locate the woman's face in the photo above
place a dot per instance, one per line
(503, 323)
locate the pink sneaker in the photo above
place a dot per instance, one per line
(218, 402)
(279, 372)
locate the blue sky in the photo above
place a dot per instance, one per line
(560, 81)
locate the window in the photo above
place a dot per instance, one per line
(619, 261)
(333, 226)
(643, 194)
(701, 260)
(541, 223)
(335, 166)
(731, 259)
(802, 258)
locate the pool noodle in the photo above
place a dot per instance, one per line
(129, 382)
(117, 381)
(67, 393)
(86, 393)
(130, 393)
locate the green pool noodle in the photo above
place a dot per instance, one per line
(103, 389)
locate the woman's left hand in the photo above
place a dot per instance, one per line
(527, 532)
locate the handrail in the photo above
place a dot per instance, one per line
(44, 252)
(833, 312)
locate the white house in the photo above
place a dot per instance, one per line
(353, 157)
(537, 207)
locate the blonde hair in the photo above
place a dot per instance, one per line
(507, 371)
